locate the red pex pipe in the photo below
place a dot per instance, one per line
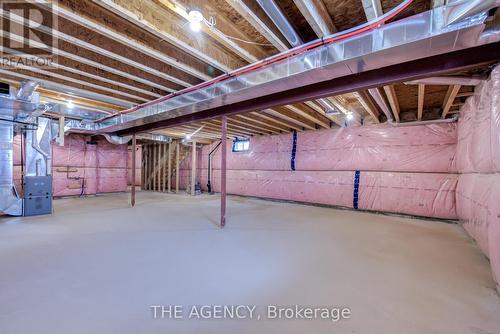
(277, 58)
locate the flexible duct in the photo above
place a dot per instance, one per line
(276, 15)
(25, 92)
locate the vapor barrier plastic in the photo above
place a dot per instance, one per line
(426, 148)
(416, 163)
(478, 148)
(81, 167)
(478, 158)
(138, 165)
(478, 198)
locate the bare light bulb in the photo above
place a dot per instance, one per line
(70, 104)
(195, 19)
(195, 26)
(188, 137)
(349, 116)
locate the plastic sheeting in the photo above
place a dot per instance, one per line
(429, 148)
(478, 159)
(138, 166)
(478, 147)
(82, 168)
(478, 198)
(416, 163)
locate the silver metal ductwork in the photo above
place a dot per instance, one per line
(10, 203)
(467, 8)
(26, 91)
(417, 37)
(276, 15)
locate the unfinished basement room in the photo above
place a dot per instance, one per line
(250, 166)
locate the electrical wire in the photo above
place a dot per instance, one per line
(245, 41)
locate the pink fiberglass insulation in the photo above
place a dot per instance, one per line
(478, 198)
(425, 194)
(429, 148)
(416, 163)
(111, 167)
(81, 167)
(138, 165)
(478, 158)
(74, 167)
(478, 148)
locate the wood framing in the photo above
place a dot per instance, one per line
(451, 94)
(421, 96)
(393, 101)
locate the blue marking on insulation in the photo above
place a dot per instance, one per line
(356, 189)
(294, 150)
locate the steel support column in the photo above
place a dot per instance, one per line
(193, 169)
(132, 193)
(223, 173)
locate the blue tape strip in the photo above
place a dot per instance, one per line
(356, 189)
(294, 150)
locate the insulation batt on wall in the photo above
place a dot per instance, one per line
(478, 161)
(81, 167)
(416, 163)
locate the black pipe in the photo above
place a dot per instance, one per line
(209, 184)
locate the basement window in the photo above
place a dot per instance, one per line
(240, 145)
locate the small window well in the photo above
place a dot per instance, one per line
(240, 145)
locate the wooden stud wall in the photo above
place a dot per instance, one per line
(158, 169)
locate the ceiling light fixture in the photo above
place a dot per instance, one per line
(195, 19)
(350, 116)
(70, 104)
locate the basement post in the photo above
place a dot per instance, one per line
(60, 139)
(169, 168)
(132, 199)
(193, 168)
(223, 173)
(177, 147)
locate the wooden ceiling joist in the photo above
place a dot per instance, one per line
(70, 59)
(316, 14)
(275, 119)
(220, 31)
(289, 117)
(244, 8)
(255, 119)
(372, 9)
(64, 78)
(393, 101)
(96, 49)
(319, 110)
(421, 96)
(309, 115)
(451, 94)
(368, 105)
(129, 42)
(51, 85)
(248, 121)
(165, 25)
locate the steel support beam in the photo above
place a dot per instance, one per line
(412, 70)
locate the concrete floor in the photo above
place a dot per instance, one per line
(96, 266)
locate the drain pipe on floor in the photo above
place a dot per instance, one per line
(210, 155)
